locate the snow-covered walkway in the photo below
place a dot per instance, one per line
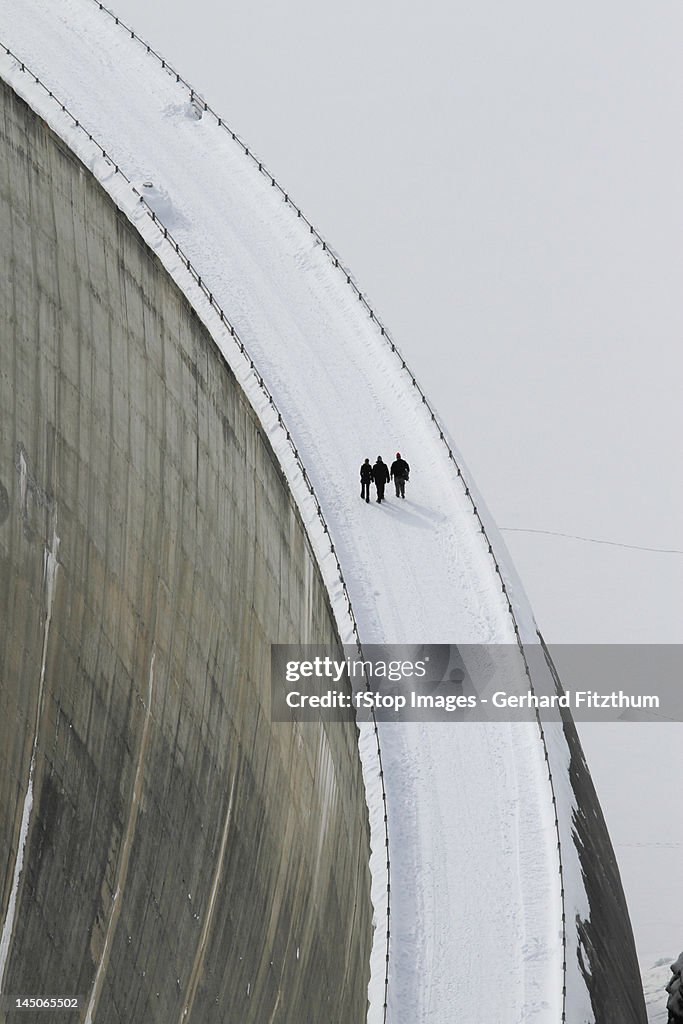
(476, 912)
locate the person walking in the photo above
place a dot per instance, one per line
(380, 474)
(400, 471)
(365, 479)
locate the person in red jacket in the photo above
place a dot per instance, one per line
(380, 474)
(400, 471)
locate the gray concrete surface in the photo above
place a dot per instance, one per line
(163, 846)
(606, 949)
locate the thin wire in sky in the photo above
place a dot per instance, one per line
(591, 540)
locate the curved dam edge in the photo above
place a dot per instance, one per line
(476, 606)
(559, 752)
(167, 852)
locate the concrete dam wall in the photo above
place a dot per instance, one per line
(166, 852)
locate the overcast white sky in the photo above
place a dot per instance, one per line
(506, 183)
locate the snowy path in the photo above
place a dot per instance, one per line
(476, 904)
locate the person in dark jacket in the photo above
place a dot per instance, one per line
(380, 474)
(365, 479)
(400, 471)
